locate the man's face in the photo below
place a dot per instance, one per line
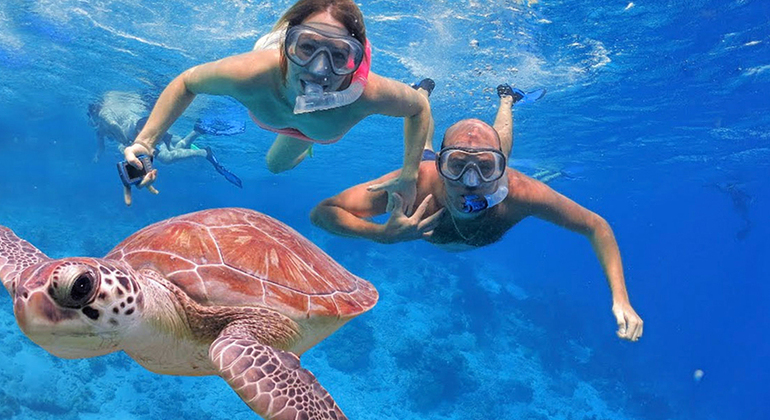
(471, 153)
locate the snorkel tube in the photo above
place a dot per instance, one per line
(315, 99)
(477, 203)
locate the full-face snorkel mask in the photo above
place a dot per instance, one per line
(324, 51)
(471, 167)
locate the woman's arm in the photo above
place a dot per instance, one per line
(237, 76)
(231, 76)
(396, 99)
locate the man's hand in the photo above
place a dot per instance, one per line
(130, 154)
(405, 188)
(401, 228)
(630, 325)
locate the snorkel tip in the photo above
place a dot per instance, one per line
(315, 99)
(477, 203)
(313, 89)
(311, 100)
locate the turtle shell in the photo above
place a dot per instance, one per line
(239, 257)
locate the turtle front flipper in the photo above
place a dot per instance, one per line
(16, 254)
(271, 381)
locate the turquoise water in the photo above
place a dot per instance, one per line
(658, 111)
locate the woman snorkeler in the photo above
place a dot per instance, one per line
(308, 81)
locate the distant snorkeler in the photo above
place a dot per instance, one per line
(309, 81)
(120, 116)
(741, 202)
(469, 198)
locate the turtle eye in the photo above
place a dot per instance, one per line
(77, 293)
(82, 287)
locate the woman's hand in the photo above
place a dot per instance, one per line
(405, 188)
(131, 153)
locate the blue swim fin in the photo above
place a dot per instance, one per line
(219, 127)
(531, 97)
(221, 169)
(519, 96)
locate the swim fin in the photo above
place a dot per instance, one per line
(221, 169)
(533, 96)
(519, 96)
(427, 84)
(219, 127)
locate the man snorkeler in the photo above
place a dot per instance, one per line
(470, 198)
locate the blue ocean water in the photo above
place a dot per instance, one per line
(657, 110)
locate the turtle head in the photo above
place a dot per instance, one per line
(77, 307)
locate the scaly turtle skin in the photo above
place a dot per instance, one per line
(230, 292)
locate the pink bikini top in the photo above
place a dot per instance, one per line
(361, 76)
(291, 132)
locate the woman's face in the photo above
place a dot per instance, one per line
(318, 70)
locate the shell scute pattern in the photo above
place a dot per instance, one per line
(238, 257)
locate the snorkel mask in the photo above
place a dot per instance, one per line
(323, 51)
(471, 167)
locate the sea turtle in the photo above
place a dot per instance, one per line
(230, 292)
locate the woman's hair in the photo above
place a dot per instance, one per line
(345, 11)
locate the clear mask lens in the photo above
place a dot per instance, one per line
(469, 165)
(304, 43)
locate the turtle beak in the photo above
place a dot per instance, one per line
(60, 331)
(37, 315)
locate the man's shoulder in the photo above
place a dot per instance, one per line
(523, 188)
(427, 177)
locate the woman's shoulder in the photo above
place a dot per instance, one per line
(246, 73)
(260, 65)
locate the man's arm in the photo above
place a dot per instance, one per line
(346, 214)
(549, 205)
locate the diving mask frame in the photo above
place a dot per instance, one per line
(493, 173)
(304, 42)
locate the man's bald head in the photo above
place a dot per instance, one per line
(471, 133)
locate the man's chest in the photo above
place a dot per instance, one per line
(474, 233)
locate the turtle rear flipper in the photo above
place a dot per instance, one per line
(271, 381)
(16, 254)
